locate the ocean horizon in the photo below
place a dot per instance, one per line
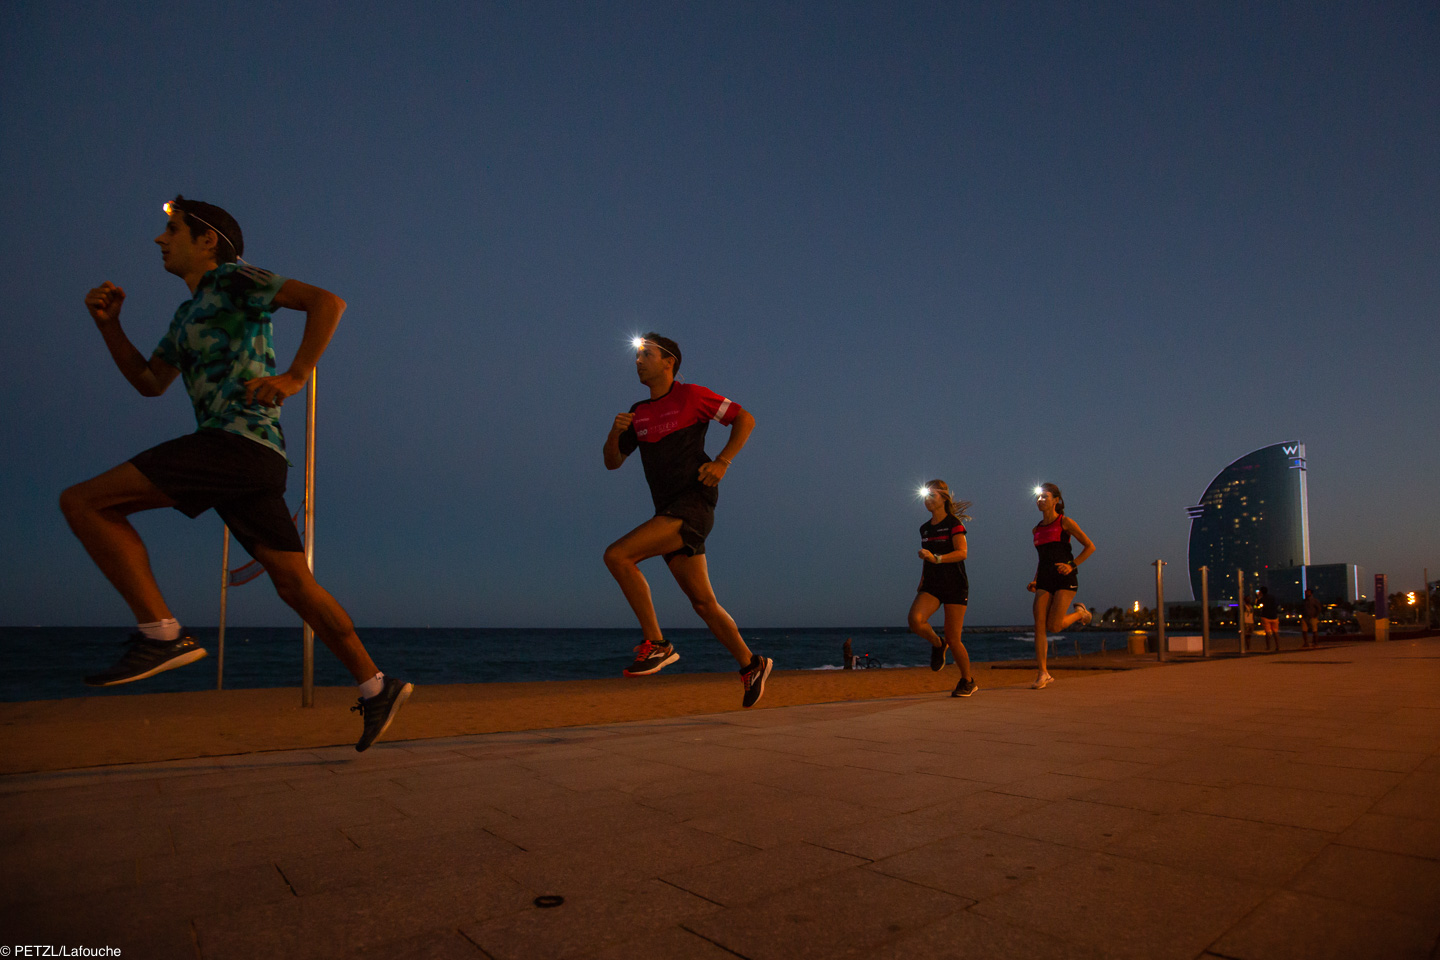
(49, 663)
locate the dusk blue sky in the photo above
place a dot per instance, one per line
(1111, 246)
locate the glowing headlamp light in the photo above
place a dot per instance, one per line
(639, 343)
(924, 492)
(1039, 490)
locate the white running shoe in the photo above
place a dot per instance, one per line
(1085, 614)
(1044, 681)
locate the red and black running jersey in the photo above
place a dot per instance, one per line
(1052, 542)
(670, 432)
(939, 538)
(1052, 532)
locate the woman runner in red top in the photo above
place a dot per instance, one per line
(1055, 582)
(943, 582)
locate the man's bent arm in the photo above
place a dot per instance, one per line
(322, 315)
(149, 377)
(713, 472)
(614, 459)
(739, 433)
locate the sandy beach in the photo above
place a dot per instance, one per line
(91, 731)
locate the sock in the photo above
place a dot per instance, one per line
(372, 686)
(165, 630)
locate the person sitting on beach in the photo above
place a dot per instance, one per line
(943, 582)
(669, 431)
(1055, 581)
(1310, 620)
(1269, 617)
(220, 341)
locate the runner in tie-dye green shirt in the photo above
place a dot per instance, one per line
(220, 343)
(221, 338)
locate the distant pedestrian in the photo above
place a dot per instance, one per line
(1310, 620)
(1055, 581)
(943, 582)
(1269, 617)
(220, 343)
(847, 652)
(669, 431)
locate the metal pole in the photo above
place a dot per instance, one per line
(1425, 580)
(1240, 606)
(307, 680)
(224, 597)
(1159, 566)
(1204, 611)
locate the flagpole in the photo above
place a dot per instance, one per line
(307, 683)
(224, 596)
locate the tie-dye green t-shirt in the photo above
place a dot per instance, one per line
(219, 339)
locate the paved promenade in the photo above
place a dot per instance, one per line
(1272, 807)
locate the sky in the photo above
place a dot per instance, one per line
(1110, 246)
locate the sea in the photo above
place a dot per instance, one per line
(48, 663)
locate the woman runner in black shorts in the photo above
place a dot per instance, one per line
(943, 582)
(1055, 583)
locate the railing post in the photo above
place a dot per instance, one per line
(1159, 566)
(1204, 611)
(307, 680)
(1240, 607)
(224, 598)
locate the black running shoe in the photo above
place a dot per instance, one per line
(147, 657)
(937, 657)
(965, 688)
(650, 658)
(754, 676)
(379, 710)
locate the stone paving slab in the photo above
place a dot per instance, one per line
(1251, 809)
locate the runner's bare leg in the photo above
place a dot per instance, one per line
(954, 627)
(1041, 609)
(693, 575)
(1058, 621)
(97, 511)
(297, 587)
(653, 538)
(921, 611)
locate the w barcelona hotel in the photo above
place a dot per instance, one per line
(1255, 516)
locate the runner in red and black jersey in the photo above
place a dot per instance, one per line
(669, 431)
(1055, 582)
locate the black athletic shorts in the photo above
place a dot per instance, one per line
(244, 481)
(945, 586)
(696, 512)
(1050, 580)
